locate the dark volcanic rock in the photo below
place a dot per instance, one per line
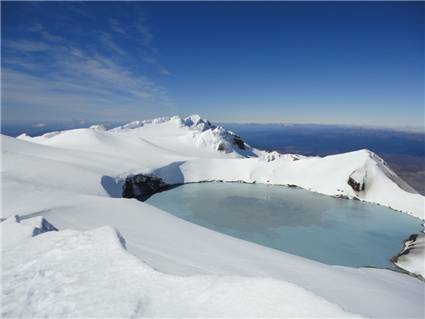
(142, 186)
(239, 142)
(408, 245)
(43, 227)
(356, 185)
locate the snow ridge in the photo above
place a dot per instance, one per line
(203, 133)
(192, 149)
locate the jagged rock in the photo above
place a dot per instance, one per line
(411, 256)
(142, 186)
(195, 120)
(355, 185)
(44, 227)
(239, 142)
(40, 224)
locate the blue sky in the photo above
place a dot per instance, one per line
(337, 62)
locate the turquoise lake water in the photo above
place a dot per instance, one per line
(330, 230)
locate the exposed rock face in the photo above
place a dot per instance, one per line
(142, 186)
(221, 147)
(40, 224)
(411, 257)
(357, 179)
(43, 227)
(195, 120)
(239, 142)
(355, 185)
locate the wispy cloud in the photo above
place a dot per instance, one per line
(108, 42)
(97, 89)
(39, 125)
(115, 26)
(142, 35)
(38, 28)
(147, 36)
(95, 76)
(76, 81)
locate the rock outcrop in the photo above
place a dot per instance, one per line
(357, 180)
(142, 186)
(239, 142)
(412, 256)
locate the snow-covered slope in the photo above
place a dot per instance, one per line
(74, 179)
(67, 274)
(189, 137)
(15, 231)
(192, 149)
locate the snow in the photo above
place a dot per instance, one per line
(98, 128)
(412, 256)
(148, 146)
(74, 179)
(68, 274)
(327, 175)
(15, 231)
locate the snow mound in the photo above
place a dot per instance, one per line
(137, 124)
(23, 136)
(98, 127)
(220, 139)
(216, 137)
(63, 274)
(201, 133)
(48, 135)
(273, 155)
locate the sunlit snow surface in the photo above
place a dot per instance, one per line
(76, 274)
(326, 229)
(73, 178)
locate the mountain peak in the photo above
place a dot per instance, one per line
(197, 121)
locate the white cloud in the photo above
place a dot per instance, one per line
(90, 77)
(106, 40)
(82, 82)
(38, 28)
(146, 37)
(115, 26)
(39, 125)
